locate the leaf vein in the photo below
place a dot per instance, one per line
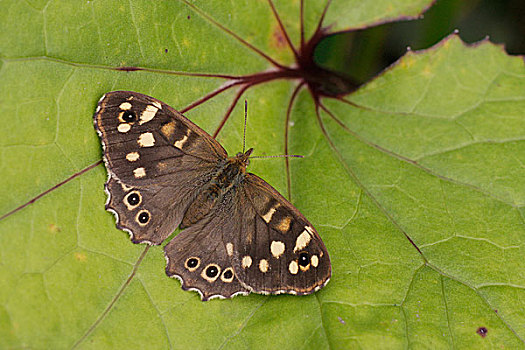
(113, 301)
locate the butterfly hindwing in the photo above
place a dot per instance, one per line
(153, 152)
(137, 211)
(201, 257)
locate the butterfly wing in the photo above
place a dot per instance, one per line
(269, 245)
(278, 250)
(156, 159)
(201, 255)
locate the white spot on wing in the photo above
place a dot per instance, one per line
(157, 104)
(277, 248)
(126, 106)
(148, 114)
(181, 142)
(263, 265)
(139, 172)
(229, 249)
(315, 260)
(268, 216)
(246, 261)
(138, 216)
(303, 239)
(132, 156)
(146, 140)
(195, 267)
(124, 128)
(131, 206)
(293, 267)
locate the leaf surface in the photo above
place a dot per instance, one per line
(415, 182)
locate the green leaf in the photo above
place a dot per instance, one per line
(415, 182)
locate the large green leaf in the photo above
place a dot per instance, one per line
(416, 182)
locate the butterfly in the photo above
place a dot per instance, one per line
(239, 235)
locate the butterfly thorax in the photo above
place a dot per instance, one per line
(228, 176)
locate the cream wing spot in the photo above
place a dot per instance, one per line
(229, 248)
(148, 114)
(121, 117)
(139, 172)
(309, 229)
(248, 239)
(263, 265)
(124, 128)
(246, 261)
(181, 142)
(146, 140)
(302, 240)
(124, 187)
(132, 156)
(268, 216)
(277, 249)
(125, 106)
(293, 267)
(157, 104)
(314, 260)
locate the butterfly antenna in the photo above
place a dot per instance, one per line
(280, 156)
(245, 119)
(244, 139)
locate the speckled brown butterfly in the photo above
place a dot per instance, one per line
(239, 235)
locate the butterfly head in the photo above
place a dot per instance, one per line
(243, 158)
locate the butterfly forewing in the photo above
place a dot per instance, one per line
(286, 253)
(156, 160)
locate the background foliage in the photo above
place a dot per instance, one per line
(415, 182)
